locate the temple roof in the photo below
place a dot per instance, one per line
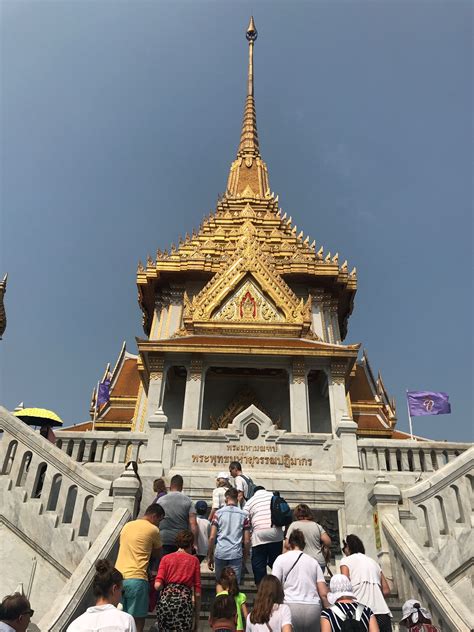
(254, 346)
(248, 198)
(372, 409)
(124, 385)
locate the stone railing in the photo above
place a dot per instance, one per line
(438, 513)
(76, 595)
(407, 456)
(102, 446)
(52, 509)
(417, 578)
(37, 479)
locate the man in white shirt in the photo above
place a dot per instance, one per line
(267, 541)
(15, 613)
(240, 482)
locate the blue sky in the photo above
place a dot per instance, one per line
(119, 121)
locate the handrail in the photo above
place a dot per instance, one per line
(72, 600)
(83, 477)
(439, 594)
(442, 478)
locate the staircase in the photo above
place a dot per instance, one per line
(52, 512)
(248, 587)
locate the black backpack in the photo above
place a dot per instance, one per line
(350, 622)
(281, 513)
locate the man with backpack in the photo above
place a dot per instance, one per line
(267, 537)
(243, 484)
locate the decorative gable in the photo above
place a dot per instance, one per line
(248, 304)
(247, 296)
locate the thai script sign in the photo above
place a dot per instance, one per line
(282, 460)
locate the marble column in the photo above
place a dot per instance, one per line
(337, 394)
(299, 400)
(156, 418)
(193, 396)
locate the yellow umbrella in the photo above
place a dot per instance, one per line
(38, 417)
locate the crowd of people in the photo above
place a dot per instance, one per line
(158, 569)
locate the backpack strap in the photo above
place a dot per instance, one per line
(359, 611)
(339, 612)
(247, 480)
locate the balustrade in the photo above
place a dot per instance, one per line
(444, 501)
(102, 447)
(407, 456)
(417, 577)
(41, 471)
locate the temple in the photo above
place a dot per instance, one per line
(243, 358)
(246, 311)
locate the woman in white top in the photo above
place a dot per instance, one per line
(303, 583)
(367, 579)
(104, 616)
(218, 494)
(269, 611)
(314, 534)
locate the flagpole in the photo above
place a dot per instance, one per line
(409, 417)
(95, 407)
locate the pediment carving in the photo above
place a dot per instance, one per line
(248, 294)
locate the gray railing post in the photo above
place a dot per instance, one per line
(384, 498)
(125, 490)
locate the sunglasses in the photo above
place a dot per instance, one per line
(30, 613)
(344, 545)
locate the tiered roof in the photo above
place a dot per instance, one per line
(248, 198)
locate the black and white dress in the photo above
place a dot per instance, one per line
(346, 608)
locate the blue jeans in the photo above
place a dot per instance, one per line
(235, 563)
(264, 555)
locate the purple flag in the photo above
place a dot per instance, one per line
(103, 395)
(428, 403)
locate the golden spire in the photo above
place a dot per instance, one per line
(249, 136)
(248, 173)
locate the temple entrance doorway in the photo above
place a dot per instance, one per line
(230, 390)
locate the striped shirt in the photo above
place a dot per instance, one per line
(260, 514)
(336, 622)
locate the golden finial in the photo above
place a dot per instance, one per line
(249, 138)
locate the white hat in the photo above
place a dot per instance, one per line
(223, 475)
(340, 586)
(413, 607)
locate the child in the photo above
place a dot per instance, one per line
(228, 586)
(204, 529)
(223, 614)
